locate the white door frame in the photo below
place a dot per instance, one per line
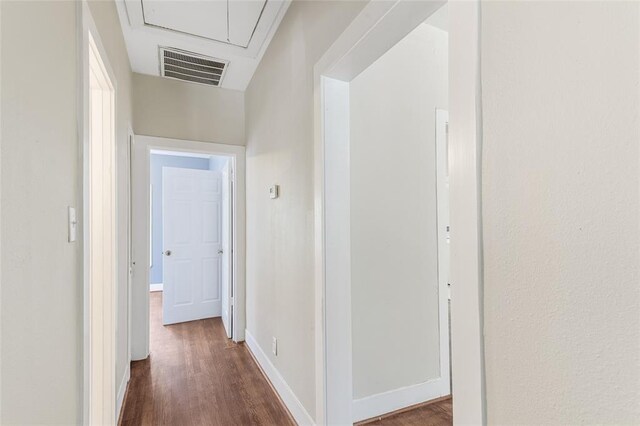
(89, 38)
(130, 141)
(377, 28)
(140, 227)
(442, 197)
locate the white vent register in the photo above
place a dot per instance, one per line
(191, 67)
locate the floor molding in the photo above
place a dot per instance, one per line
(122, 391)
(385, 403)
(156, 287)
(289, 399)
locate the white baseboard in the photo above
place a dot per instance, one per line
(387, 402)
(156, 287)
(294, 406)
(122, 390)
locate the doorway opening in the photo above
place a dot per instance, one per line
(398, 192)
(191, 218)
(188, 232)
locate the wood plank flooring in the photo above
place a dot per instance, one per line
(196, 376)
(437, 413)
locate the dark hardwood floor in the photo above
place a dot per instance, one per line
(437, 413)
(196, 376)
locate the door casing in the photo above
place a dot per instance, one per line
(378, 27)
(143, 145)
(100, 310)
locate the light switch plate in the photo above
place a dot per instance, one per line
(274, 191)
(73, 224)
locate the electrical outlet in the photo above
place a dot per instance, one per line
(274, 346)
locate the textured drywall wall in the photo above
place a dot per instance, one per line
(280, 241)
(41, 176)
(41, 296)
(394, 257)
(175, 109)
(561, 109)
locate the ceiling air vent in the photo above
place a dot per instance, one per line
(192, 67)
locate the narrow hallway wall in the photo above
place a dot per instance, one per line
(41, 292)
(280, 241)
(175, 109)
(42, 287)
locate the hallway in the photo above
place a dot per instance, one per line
(196, 376)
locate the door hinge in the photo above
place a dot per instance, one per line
(231, 299)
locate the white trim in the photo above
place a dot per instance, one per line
(130, 139)
(465, 144)
(387, 402)
(87, 30)
(378, 27)
(156, 287)
(180, 154)
(338, 251)
(143, 145)
(289, 398)
(122, 390)
(444, 252)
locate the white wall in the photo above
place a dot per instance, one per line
(179, 110)
(41, 175)
(394, 259)
(280, 244)
(561, 110)
(41, 293)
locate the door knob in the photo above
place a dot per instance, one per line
(220, 251)
(167, 253)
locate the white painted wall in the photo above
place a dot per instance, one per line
(560, 188)
(41, 175)
(561, 110)
(394, 263)
(280, 238)
(41, 292)
(179, 110)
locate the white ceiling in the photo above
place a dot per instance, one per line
(237, 31)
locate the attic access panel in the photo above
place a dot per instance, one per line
(232, 22)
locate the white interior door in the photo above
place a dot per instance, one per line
(227, 269)
(192, 207)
